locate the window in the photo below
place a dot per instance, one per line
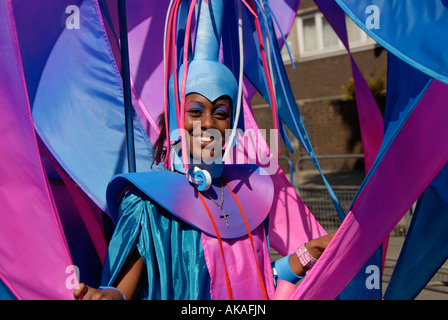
(312, 37)
(309, 32)
(292, 41)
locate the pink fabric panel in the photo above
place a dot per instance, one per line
(33, 251)
(290, 221)
(241, 266)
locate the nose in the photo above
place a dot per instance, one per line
(207, 121)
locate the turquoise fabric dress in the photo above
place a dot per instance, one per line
(171, 249)
(184, 261)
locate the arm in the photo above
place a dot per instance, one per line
(315, 247)
(126, 283)
(126, 274)
(130, 275)
(289, 268)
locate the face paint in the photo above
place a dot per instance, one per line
(194, 107)
(222, 111)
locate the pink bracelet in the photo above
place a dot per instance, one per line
(305, 258)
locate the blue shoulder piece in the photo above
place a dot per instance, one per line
(173, 192)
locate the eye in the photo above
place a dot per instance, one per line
(194, 112)
(222, 112)
(222, 115)
(194, 109)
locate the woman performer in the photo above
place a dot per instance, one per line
(199, 230)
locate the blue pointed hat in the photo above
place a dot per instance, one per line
(206, 75)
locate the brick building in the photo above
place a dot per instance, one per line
(322, 70)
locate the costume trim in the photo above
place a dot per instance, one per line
(229, 288)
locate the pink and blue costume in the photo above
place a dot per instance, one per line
(187, 253)
(75, 118)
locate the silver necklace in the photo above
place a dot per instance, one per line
(223, 215)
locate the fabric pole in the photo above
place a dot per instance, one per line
(128, 109)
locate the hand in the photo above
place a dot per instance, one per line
(317, 246)
(84, 292)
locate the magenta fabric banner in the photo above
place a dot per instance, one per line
(34, 259)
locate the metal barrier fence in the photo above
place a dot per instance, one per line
(319, 202)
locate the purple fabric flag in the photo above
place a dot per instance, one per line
(34, 256)
(145, 22)
(394, 185)
(425, 248)
(370, 118)
(78, 113)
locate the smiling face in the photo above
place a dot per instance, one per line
(205, 123)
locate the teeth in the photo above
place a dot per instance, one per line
(206, 139)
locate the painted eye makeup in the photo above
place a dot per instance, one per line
(222, 111)
(194, 107)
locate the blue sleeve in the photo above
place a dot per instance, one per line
(282, 271)
(172, 251)
(124, 239)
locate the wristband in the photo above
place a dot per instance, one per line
(305, 258)
(282, 271)
(106, 287)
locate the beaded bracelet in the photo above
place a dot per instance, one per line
(305, 258)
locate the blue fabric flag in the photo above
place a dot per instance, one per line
(82, 121)
(413, 31)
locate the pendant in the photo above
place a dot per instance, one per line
(224, 215)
